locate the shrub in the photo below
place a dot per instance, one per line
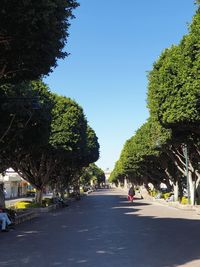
(22, 204)
(153, 193)
(26, 205)
(30, 204)
(184, 200)
(167, 195)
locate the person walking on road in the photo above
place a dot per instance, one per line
(131, 193)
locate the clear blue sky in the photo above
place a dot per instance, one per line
(113, 43)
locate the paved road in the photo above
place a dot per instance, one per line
(104, 230)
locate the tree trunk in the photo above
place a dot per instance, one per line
(67, 191)
(198, 194)
(180, 190)
(146, 186)
(192, 189)
(169, 187)
(2, 197)
(198, 189)
(54, 193)
(176, 190)
(62, 193)
(125, 184)
(38, 197)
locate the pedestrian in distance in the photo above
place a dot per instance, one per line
(131, 193)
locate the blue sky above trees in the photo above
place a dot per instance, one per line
(112, 47)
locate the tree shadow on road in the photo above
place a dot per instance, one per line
(103, 231)
(164, 241)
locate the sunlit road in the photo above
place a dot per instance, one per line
(104, 230)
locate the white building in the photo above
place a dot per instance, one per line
(13, 184)
(107, 173)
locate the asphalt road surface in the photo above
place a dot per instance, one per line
(105, 230)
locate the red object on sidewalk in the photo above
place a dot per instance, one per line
(130, 198)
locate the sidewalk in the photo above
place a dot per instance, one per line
(163, 202)
(177, 205)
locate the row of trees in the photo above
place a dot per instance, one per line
(166, 149)
(43, 136)
(92, 175)
(47, 142)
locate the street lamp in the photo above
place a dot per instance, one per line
(185, 152)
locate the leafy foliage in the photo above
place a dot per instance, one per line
(92, 173)
(139, 159)
(30, 31)
(174, 89)
(68, 127)
(25, 112)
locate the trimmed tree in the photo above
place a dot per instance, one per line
(19, 132)
(174, 89)
(173, 98)
(31, 31)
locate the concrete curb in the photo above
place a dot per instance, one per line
(35, 212)
(26, 217)
(163, 202)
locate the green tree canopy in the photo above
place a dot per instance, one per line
(32, 37)
(140, 152)
(174, 89)
(92, 173)
(25, 127)
(25, 111)
(91, 150)
(69, 125)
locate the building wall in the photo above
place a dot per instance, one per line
(107, 173)
(13, 184)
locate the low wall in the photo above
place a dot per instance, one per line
(25, 216)
(46, 209)
(33, 213)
